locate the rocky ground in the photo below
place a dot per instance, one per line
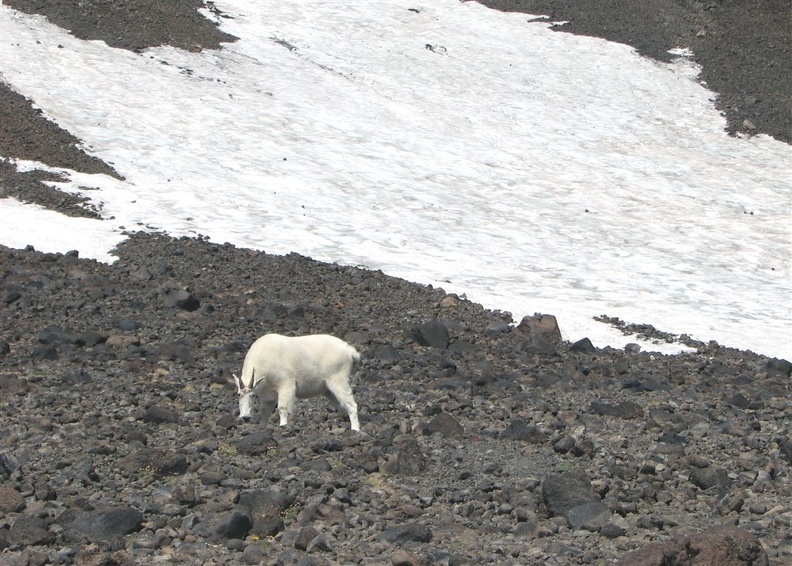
(484, 440)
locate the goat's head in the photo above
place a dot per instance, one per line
(247, 397)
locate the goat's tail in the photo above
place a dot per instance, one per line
(355, 358)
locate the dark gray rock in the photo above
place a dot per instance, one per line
(256, 444)
(265, 507)
(632, 348)
(255, 554)
(480, 373)
(413, 532)
(159, 462)
(407, 460)
(655, 522)
(641, 382)
(386, 353)
(107, 524)
(583, 345)
(562, 492)
(321, 543)
(446, 425)
(785, 444)
(779, 367)
(11, 297)
(564, 444)
(540, 335)
(498, 327)
(589, 516)
(46, 353)
(433, 333)
(30, 531)
(612, 530)
(51, 335)
(622, 410)
(519, 430)
(175, 351)
(304, 537)
(183, 299)
(706, 478)
(220, 527)
(126, 324)
(158, 415)
(93, 337)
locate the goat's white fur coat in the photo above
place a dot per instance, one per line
(279, 369)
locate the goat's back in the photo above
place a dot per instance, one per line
(275, 357)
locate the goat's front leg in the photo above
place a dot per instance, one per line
(266, 407)
(287, 398)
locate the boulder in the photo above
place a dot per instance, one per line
(565, 491)
(107, 524)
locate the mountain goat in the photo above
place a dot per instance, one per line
(279, 369)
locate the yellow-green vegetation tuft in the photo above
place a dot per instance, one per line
(227, 449)
(290, 513)
(377, 482)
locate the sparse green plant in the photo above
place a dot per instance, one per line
(290, 513)
(150, 469)
(377, 482)
(227, 449)
(564, 466)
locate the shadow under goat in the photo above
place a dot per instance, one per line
(280, 369)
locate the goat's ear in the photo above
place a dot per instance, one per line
(233, 380)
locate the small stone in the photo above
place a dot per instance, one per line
(583, 345)
(414, 532)
(446, 425)
(589, 516)
(757, 508)
(705, 478)
(304, 537)
(11, 501)
(612, 530)
(322, 543)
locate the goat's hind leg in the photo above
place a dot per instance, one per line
(342, 393)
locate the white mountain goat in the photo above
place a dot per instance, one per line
(279, 369)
